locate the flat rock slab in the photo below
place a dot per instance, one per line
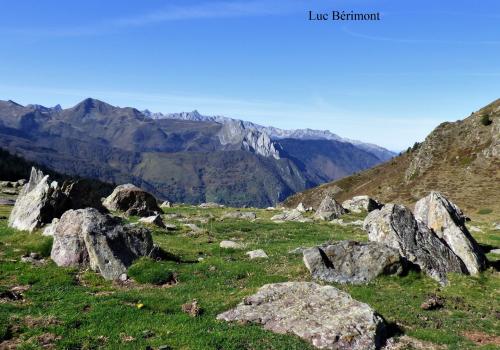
(352, 262)
(322, 315)
(257, 254)
(231, 245)
(242, 215)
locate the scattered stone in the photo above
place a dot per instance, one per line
(448, 222)
(270, 208)
(361, 203)
(231, 245)
(146, 334)
(192, 308)
(38, 203)
(475, 229)
(322, 315)
(33, 258)
(406, 343)
(395, 226)
(329, 209)
(432, 303)
(10, 192)
(86, 237)
(301, 208)
(155, 220)
(495, 251)
(496, 226)
(256, 254)
(243, 215)
(210, 205)
(132, 200)
(193, 227)
(289, 215)
(352, 262)
(341, 222)
(170, 227)
(297, 251)
(50, 228)
(166, 204)
(123, 277)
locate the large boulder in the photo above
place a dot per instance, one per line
(395, 226)
(85, 237)
(132, 200)
(329, 209)
(448, 222)
(352, 262)
(322, 315)
(38, 203)
(361, 203)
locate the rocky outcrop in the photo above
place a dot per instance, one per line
(448, 222)
(290, 215)
(38, 203)
(352, 262)
(395, 226)
(329, 209)
(132, 200)
(322, 315)
(85, 237)
(361, 203)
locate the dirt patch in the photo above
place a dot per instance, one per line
(41, 321)
(481, 338)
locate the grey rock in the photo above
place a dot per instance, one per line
(210, 205)
(395, 226)
(448, 222)
(155, 220)
(132, 200)
(361, 203)
(322, 315)
(193, 227)
(352, 262)
(231, 245)
(170, 227)
(166, 204)
(243, 215)
(85, 237)
(329, 209)
(289, 215)
(50, 229)
(38, 203)
(257, 254)
(495, 251)
(475, 229)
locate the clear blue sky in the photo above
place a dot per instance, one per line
(388, 82)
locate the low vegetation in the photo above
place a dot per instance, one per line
(70, 309)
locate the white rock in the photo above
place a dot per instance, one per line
(231, 245)
(255, 254)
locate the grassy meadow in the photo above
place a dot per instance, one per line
(64, 308)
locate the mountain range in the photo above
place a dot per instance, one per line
(182, 157)
(460, 159)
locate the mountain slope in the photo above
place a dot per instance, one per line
(460, 159)
(182, 160)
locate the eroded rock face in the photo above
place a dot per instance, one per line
(395, 226)
(132, 200)
(38, 203)
(85, 237)
(329, 209)
(359, 203)
(352, 262)
(448, 222)
(322, 315)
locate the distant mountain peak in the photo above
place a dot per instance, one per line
(91, 103)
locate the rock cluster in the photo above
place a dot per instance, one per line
(85, 237)
(352, 262)
(315, 313)
(132, 200)
(444, 247)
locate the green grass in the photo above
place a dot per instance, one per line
(93, 313)
(484, 211)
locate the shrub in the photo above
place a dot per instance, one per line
(485, 120)
(147, 270)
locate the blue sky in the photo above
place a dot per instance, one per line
(388, 82)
